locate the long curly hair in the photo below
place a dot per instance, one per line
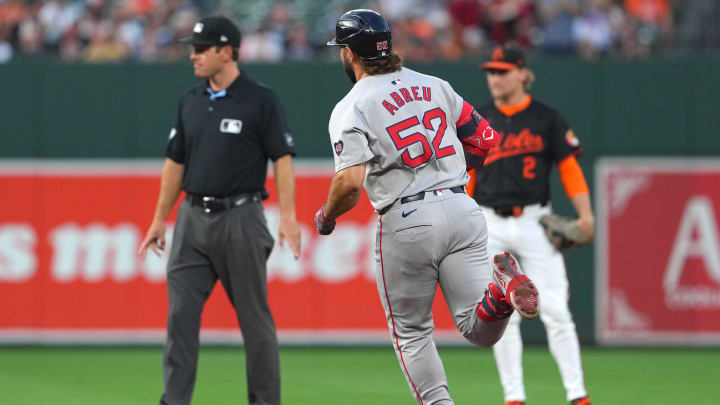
(388, 64)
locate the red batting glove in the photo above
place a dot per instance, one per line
(323, 225)
(483, 140)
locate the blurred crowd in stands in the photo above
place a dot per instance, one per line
(296, 30)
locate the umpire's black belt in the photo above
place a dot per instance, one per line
(211, 204)
(420, 196)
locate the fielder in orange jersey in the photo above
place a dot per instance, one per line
(514, 192)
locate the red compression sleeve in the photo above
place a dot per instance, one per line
(475, 134)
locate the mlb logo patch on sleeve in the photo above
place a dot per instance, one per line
(230, 126)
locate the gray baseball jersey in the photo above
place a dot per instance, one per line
(403, 125)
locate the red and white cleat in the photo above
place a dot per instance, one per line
(515, 285)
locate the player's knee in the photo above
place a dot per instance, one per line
(557, 320)
(412, 331)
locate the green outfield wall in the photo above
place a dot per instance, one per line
(645, 108)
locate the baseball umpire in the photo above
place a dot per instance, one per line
(227, 128)
(514, 191)
(407, 137)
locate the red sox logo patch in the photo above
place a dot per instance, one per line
(338, 147)
(382, 46)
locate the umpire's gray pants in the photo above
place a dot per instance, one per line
(441, 239)
(233, 246)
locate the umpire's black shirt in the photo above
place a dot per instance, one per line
(225, 139)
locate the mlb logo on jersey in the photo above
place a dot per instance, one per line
(338, 147)
(289, 139)
(396, 81)
(230, 126)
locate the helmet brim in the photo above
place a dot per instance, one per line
(334, 42)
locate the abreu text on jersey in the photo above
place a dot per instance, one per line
(407, 97)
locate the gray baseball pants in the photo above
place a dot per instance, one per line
(441, 239)
(232, 245)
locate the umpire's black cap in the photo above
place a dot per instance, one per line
(505, 58)
(216, 30)
(365, 32)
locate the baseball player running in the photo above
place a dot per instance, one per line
(514, 192)
(407, 138)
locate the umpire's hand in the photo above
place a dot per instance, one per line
(155, 239)
(290, 231)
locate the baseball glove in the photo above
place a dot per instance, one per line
(563, 232)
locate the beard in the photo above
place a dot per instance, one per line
(347, 66)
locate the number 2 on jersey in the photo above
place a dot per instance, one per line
(529, 163)
(415, 137)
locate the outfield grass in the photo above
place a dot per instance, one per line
(337, 376)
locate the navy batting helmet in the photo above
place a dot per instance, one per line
(365, 32)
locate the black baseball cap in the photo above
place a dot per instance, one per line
(216, 30)
(505, 58)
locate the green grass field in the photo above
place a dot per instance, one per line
(319, 376)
